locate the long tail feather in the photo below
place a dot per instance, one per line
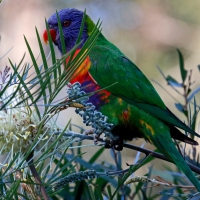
(177, 135)
(169, 149)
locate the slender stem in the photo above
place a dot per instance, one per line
(159, 156)
(36, 175)
(118, 168)
(145, 179)
(129, 146)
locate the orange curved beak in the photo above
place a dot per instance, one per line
(52, 33)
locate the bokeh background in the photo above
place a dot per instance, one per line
(148, 32)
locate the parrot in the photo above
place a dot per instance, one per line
(132, 104)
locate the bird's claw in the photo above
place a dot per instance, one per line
(116, 144)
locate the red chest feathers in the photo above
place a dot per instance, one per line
(88, 84)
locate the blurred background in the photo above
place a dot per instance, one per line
(148, 32)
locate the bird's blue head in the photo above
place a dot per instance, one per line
(70, 19)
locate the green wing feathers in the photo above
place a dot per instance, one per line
(109, 65)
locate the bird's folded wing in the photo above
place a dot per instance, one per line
(110, 66)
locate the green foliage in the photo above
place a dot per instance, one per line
(41, 86)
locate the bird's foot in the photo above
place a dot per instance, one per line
(116, 144)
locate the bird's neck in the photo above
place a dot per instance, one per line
(101, 40)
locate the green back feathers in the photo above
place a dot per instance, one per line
(90, 24)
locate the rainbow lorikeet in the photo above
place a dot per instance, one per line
(132, 105)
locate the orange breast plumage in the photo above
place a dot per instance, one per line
(88, 84)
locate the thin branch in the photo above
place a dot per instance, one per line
(128, 146)
(36, 175)
(145, 179)
(159, 156)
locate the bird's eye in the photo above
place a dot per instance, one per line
(66, 23)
